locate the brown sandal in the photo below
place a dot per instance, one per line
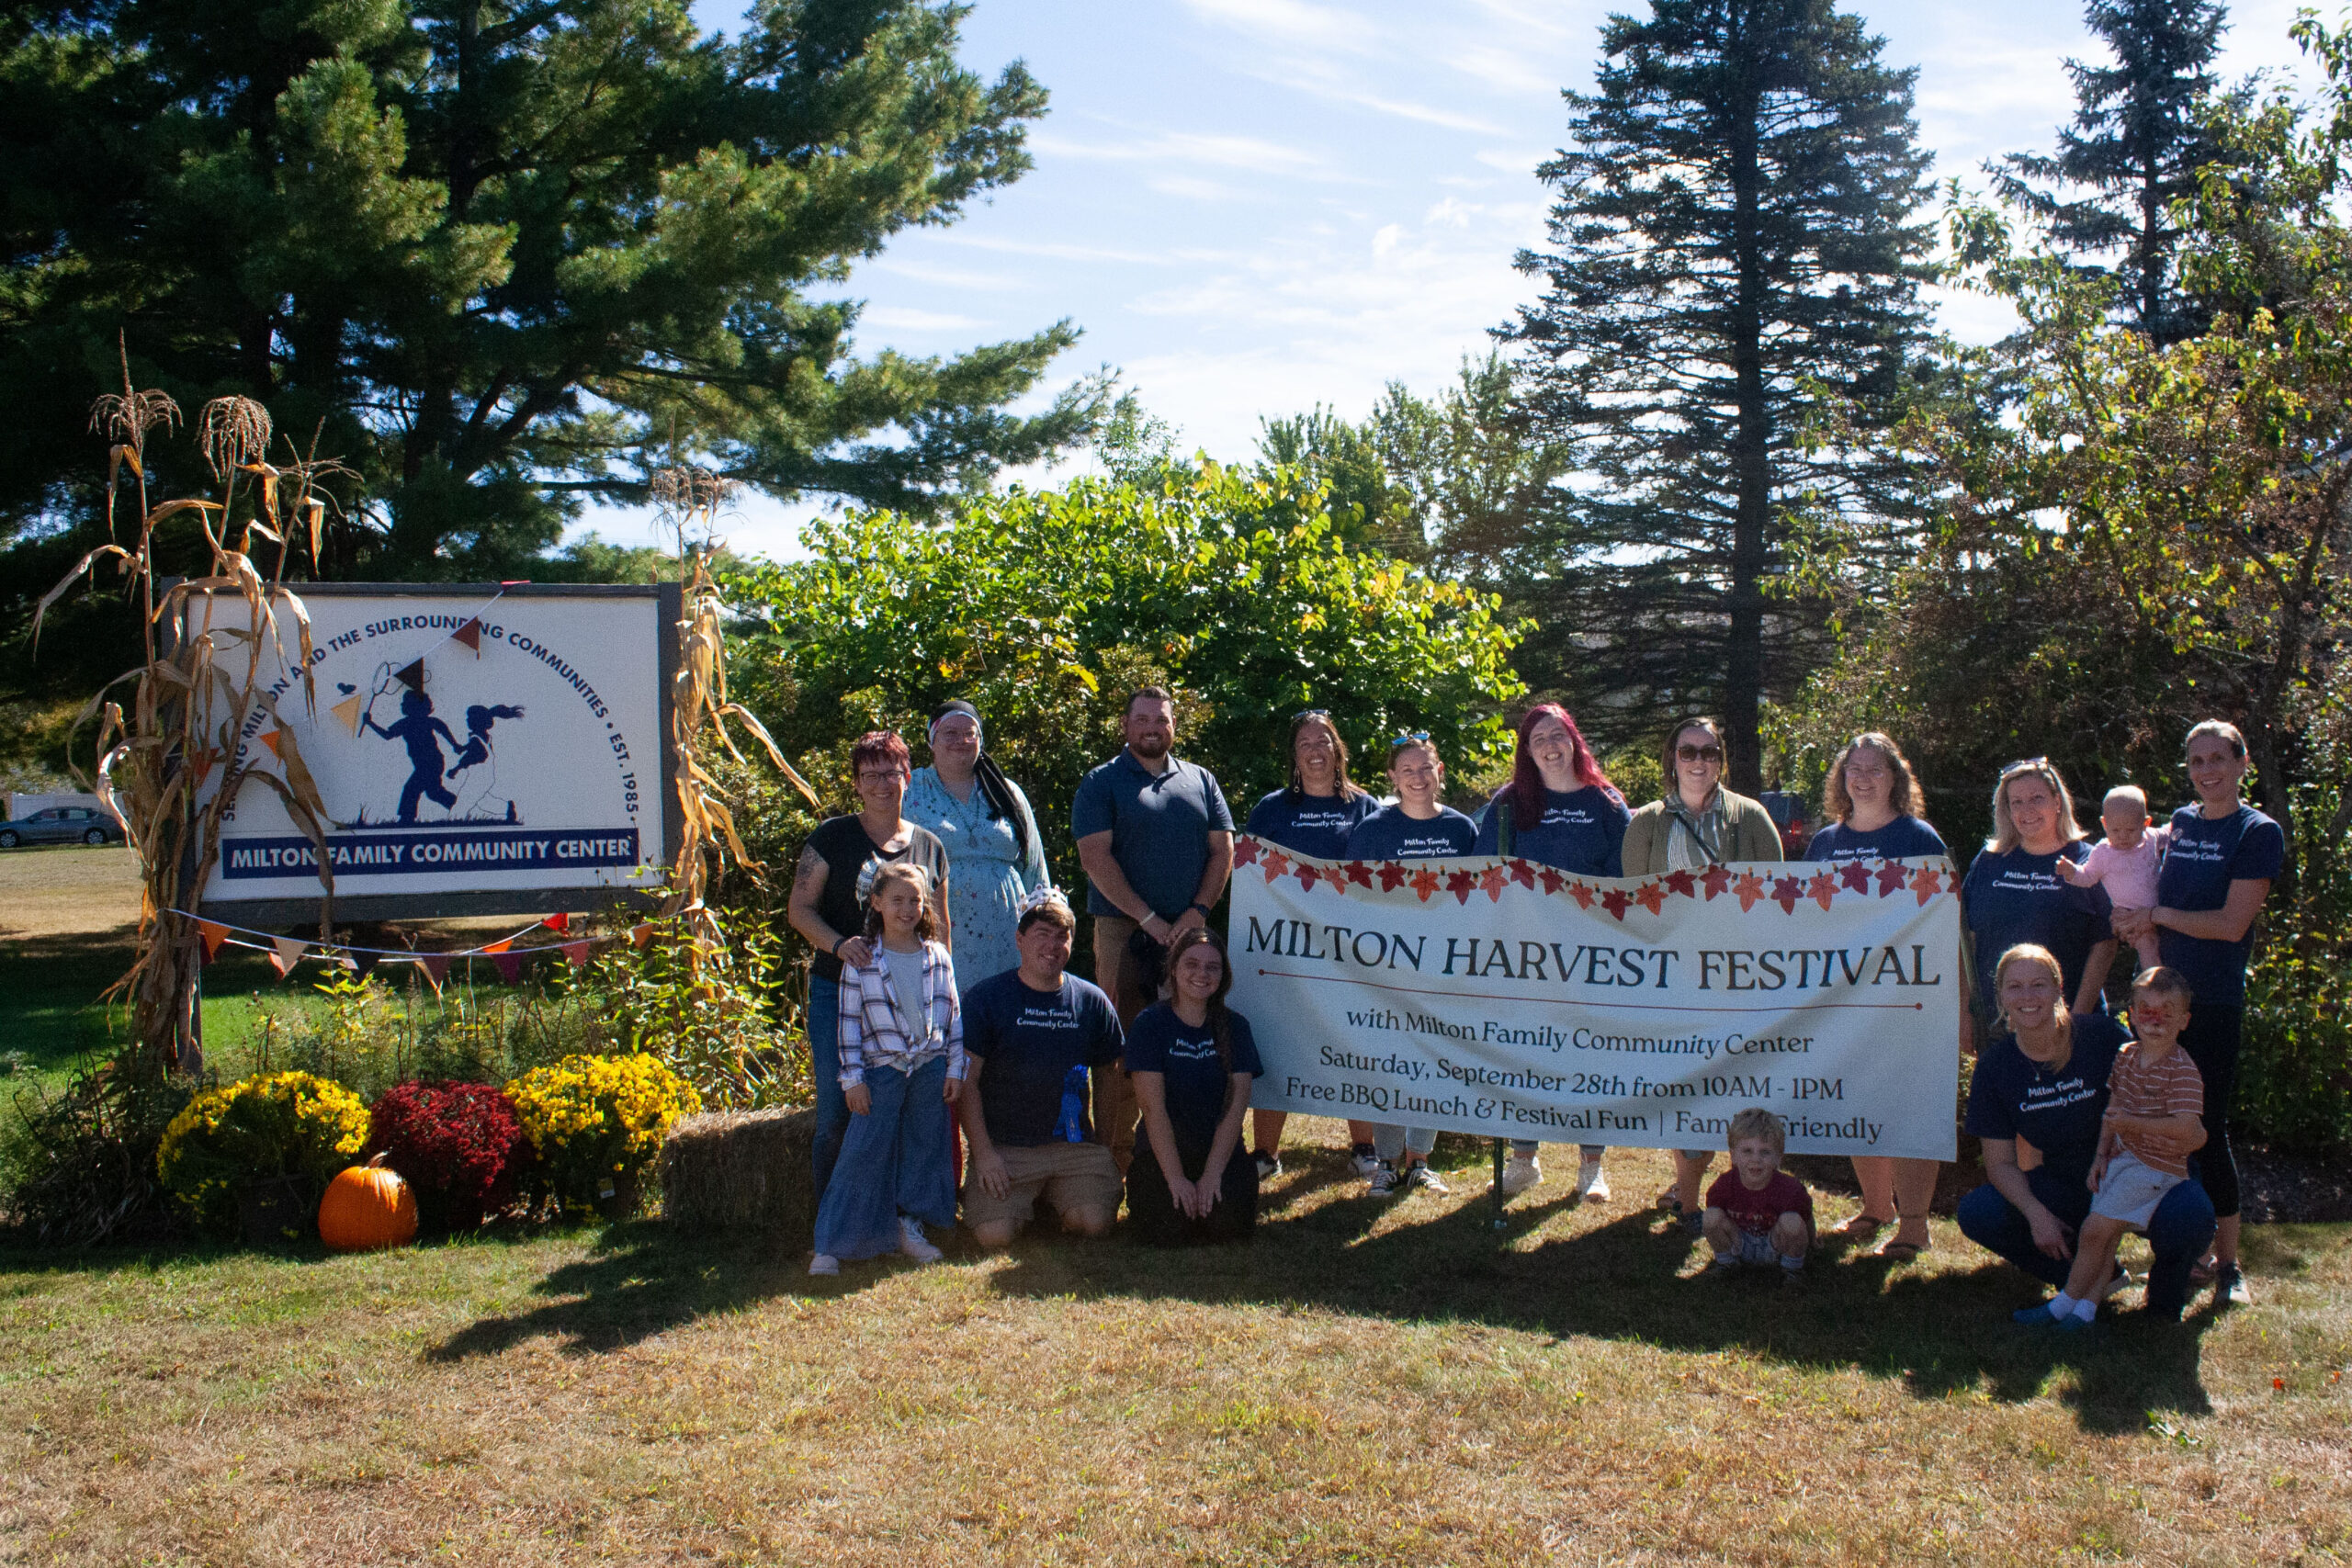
(1861, 1230)
(1900, 1251)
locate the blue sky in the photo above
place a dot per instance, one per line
(1255, 205)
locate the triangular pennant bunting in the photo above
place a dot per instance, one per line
(348, 710)
(509, 965)
(558, 923)
(436, 966)
(213, 934)
(579, 951)
(285, 953)
(412, 677)
(640, 933)
(269, 739)
(500, 945)
(363, 961)
(470, 635)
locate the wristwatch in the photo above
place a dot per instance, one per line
(1203, 908)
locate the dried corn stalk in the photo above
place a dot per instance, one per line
(690, 499)
(207, 642)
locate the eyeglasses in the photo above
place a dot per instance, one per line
(1698, 753)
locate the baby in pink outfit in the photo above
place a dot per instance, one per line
(2127, 860)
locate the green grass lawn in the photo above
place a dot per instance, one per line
(1368, 1383)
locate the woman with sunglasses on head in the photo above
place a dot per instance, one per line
(1559, 811)
(1697, 823)
(1419, 827)
(1311, 815)
(1870, 806)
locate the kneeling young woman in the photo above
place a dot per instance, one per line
(1191, 1059)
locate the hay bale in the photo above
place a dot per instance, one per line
(741, 1171)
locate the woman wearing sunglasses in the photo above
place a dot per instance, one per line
(1559, 811)
(1696, 824)
(1311, 815)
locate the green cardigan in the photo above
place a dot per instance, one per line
(1747, 824)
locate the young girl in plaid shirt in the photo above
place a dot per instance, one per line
(901, 1067)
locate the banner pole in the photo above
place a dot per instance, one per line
(1498, 1184)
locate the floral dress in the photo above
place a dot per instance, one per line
(987, 873)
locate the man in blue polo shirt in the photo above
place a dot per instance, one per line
(1156, 838)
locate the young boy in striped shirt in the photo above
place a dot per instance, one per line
(2156, 1100)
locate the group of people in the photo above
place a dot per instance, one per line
(1135, 1087)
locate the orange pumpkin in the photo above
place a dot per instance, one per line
(367, 1207)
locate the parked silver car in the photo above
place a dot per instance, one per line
(61, 825)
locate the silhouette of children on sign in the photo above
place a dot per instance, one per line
(479, 721)
(416, 729)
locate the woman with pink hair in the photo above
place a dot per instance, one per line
(1559, 811)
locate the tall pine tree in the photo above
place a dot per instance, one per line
(1734, 242)
(2135, 148)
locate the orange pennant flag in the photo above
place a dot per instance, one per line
(558, 923)
(214, 934)
(348, 710)
(641, 933)
(499, 946)
(269, 739)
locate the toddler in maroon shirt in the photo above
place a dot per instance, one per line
(1758, 1214)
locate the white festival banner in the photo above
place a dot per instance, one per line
(1503, 998)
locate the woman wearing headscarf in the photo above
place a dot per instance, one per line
(994, 853)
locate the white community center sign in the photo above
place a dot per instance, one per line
(478, 751)
(1498, 998)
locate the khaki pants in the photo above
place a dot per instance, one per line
(1115, 1095)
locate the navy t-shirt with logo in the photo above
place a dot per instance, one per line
(2018, 898)
(1581, 832)
(1162, 1043)
(2058, 1113)
(1389, 834)
(1031, 1039)
(1316, 825)
(2206, 855)
(1836, 843)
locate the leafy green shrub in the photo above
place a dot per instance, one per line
(2295, 1079)
(710, 1013)
(277, 1124)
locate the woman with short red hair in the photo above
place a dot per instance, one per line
(828, 907)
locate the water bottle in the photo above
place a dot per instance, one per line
(1071, 1128)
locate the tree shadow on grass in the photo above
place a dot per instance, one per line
(1936, 1334)
(644, 1278)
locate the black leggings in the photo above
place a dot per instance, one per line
(1151, 1208)
(2212, 1042)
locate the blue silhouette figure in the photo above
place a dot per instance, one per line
(479, 721)
(416, 728)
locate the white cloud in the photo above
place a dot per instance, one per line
(945, 276)
(900, 318)
(1290, 21)
(1192, 147)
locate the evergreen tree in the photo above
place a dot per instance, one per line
(1734, 246)
(2135, 148)
(1471, 466)
(490, 251)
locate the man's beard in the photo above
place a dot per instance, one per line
(1150, 746)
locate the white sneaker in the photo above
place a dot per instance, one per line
(1363, 1161)
(1520, 1173)
(914, 1244)
(825, 1264)
(1420, 1175)
(1383, 1180)
(1592, 1182)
